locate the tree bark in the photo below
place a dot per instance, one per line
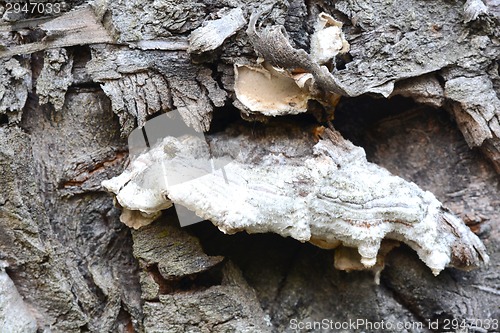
(420, 93)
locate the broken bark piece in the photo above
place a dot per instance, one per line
(476, 108)
(136, 96)
(176, 253)
(231, 306)
(327, 192)
(142, 83)
(181, 284)
(55, 77)
(15, 83)
(214, 33)
(423, 89)
(135, 90)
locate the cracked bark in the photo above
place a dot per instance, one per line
(65, 111)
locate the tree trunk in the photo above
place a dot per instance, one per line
(418, 92)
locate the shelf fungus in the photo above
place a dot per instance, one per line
(281, 180)
(269, 90)
(285, 79)
(328, 39)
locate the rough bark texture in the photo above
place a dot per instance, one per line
(72, 88)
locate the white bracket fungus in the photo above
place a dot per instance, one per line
(267, 90)
(328, 39)
(325, 193)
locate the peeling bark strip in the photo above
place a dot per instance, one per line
(214, 33)
(78, 27)
(327, 194)
(476, 107)
(274, 46)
